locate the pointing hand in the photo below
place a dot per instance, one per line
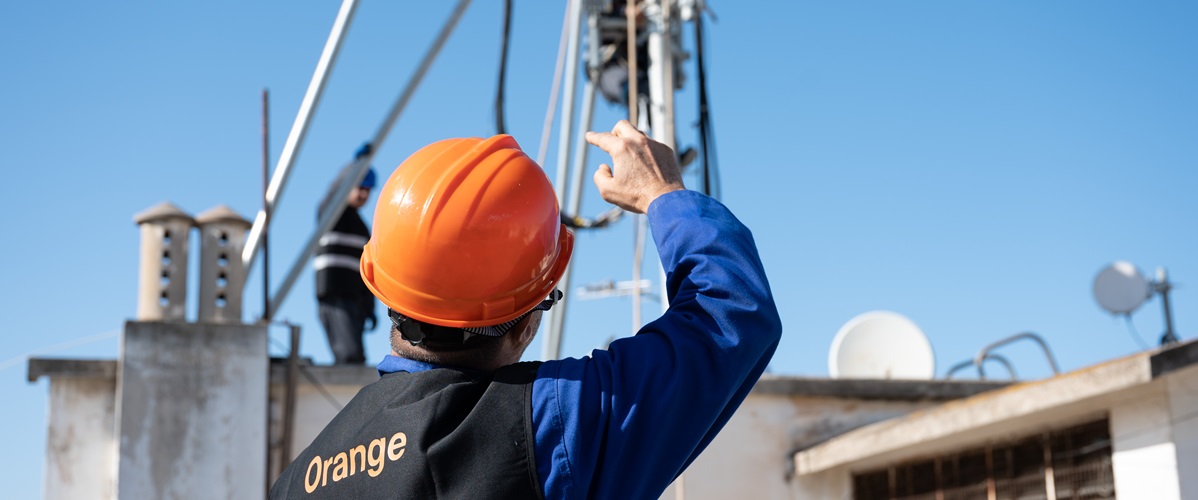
(644, 168)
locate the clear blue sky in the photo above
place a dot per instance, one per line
(971, 165)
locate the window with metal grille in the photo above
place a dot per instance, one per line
(1067, 464)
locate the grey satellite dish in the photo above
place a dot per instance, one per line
(881, 345)
(1120, 288)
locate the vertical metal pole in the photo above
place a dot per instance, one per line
(641, 233)
(551, 347)
(630, 14)
(543, 149)
(557, 321)
(661, 76)
(1050, 480)
(362, 164)
(588, 112)
(265, 205)
(991, 485)
(1163, 287)
(661, 91)
(567, 124)
(289, 395)
(299, 129)
(661, 112)
(638, 256)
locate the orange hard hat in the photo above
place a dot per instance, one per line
(466, 234)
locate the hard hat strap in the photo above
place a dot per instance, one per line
(417, 332)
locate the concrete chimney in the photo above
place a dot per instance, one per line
(222, 275)
(162, 272)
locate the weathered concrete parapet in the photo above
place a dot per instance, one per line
(222, 275)
(162, 271)
(191, 402)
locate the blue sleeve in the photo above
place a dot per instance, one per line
(625, 422)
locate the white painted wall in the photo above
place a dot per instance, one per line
(1143, 455)
(751, 456)
(1183, 413)
(81, 450)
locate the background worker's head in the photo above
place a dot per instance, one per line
(466, 251)
(359, 195)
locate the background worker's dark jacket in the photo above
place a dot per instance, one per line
(337, 259)
(441, 433)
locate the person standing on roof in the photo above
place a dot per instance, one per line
(467, 251)
(346, 306)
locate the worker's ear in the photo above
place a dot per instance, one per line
(528, 327)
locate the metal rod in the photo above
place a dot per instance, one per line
(551, 347)
(265, 203)
(1050, 479)
(630, 15)
(414, 81)
(567, 123)
(638, 256)
(580, 154)
(642, 226)
(661, 77)
(1163, 287)
(360, 165)
(969, 362)
(661, 95)
(543, 149)
(578, 167)
(289, 394)
(299, 129)
(991, 484)
(985, 352)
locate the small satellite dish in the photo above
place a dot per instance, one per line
(881, 345)
(1120, 288)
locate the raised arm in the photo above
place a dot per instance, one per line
(626, 421)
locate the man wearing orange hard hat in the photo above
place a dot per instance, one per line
(466, 251)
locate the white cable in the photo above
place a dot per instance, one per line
(59, 347)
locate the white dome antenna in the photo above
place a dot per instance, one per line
(1120, 288)
(881, 345)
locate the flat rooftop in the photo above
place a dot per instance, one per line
(996, 413)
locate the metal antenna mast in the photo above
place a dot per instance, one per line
(654, 114)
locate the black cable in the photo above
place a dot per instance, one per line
(503, 50)
(603, 220)
(706, 132)
(1135, 334)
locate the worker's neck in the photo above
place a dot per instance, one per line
(431, 358)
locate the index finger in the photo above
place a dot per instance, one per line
(603, 140)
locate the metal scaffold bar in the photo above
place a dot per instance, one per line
(567, 123)
(362, 164)
(299, 129)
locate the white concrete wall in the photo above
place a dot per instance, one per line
(1143, 454)
(751, 457)
(1183, 413)
(81, 446)
(191, 412)
(835, 483)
